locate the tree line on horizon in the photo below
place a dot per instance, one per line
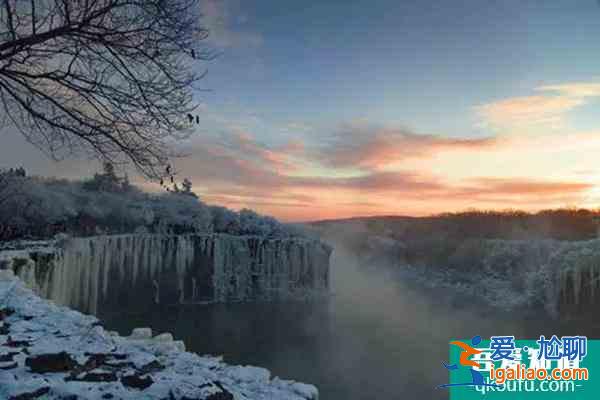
(33, 207)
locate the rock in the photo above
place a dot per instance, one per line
(141, 333)
(94, 376)
(100, 367)
(31, 395)
(224, 394)
(305, 390)
(6, 366)
(5, 328)
(152, 367)
(115, 364)
(95, 358)
(164, 337)
(118, 356)
(179, 345)
(94, 361)
(17, 343)
(136, 381)
(8, 356)
(6, 312)
(58, 362)
(249, 374)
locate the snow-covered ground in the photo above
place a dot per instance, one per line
(52, 352)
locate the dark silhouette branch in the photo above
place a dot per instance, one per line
(112, 78)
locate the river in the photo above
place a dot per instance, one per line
(375, 337)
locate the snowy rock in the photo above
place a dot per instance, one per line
(68, 355)
(306, 391)
(178, 345)
(141, 333)
(164, 337)
(248, 373)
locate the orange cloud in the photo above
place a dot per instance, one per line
(374, 148)
(529, 186)
(429, 174)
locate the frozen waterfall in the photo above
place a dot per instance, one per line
(110, 272)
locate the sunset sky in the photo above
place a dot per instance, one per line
(329, 109)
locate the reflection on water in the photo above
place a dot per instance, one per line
(375, 338)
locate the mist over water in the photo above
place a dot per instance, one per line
(375, 337)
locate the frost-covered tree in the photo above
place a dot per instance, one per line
(175, 212)
(187, 187)
(108, 181)
(225, 220)
(48, 206)
(112, 78)
(9, 185)
(252, 223)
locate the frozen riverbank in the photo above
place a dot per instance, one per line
(52, 352)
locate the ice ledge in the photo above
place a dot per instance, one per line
(53, 352)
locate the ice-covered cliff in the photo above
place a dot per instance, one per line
(108, 272)
(560, 277)
(563, 277)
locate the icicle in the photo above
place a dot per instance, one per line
(592, 282)
(156, 292)
(87, 270)
(576, 274)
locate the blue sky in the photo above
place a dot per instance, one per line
(418, 64)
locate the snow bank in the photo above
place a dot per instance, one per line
(52, 352)
(108, 272)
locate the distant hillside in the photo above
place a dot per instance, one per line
(441, 239)
(560, 224)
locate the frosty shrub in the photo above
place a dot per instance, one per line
(47, 206)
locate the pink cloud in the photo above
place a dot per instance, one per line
(373, 148)
(238, 171)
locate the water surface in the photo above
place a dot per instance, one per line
(376, 337)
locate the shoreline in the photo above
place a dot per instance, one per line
(53, 352)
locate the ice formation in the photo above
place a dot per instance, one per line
(136, 270)
(562, 277)
(52, 352)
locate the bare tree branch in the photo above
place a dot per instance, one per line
(112, 78)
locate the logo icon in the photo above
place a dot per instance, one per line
(465, 354)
